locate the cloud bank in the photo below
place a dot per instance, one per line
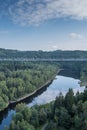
(34, 12)
(75, 36)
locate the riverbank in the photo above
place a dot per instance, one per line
(6, 106)
(31, 94)
(34, 92)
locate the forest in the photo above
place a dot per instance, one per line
(67, 112)
(58, 54)
(17, 79)
(79, 68)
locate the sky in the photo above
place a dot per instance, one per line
(43, 24)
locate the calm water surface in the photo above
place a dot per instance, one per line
(59, 84)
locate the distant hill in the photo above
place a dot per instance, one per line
(58, 54)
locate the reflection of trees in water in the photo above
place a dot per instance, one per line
(70, 73)
(72, 69)
(76, 70)
(3, 115)
(39, 92)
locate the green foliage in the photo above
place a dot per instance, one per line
(6, 53)
(55, 115)
(69, 100)
(18, 79)
(21, 125)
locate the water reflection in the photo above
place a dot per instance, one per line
(47, 94)
(6, 118)
(60, 84)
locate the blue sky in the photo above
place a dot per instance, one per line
(43, 25)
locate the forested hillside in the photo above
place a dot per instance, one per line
(79, 69)
(6, 53)
(20, 78)
(65, 113)
(17, 79)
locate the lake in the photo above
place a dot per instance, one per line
(60, 84)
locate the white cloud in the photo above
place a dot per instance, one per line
(33, 12)
(52, 46)
(75, 36)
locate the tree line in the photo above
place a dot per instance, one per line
(58, 54)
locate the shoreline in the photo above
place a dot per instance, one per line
(31, 94)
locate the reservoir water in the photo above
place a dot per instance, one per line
(59, 84)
